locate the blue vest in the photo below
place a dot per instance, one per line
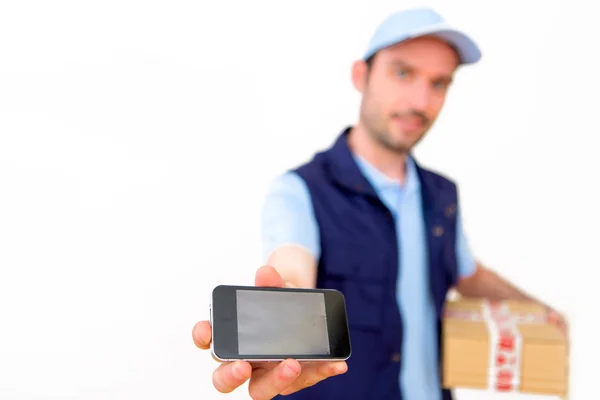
(359, 257)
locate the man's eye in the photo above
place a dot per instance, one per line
(403, 74)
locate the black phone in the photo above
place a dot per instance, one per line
(272, 324)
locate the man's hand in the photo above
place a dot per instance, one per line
(267, 380)
(485, 283)
(557, 319)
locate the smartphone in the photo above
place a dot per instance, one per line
(273, 324)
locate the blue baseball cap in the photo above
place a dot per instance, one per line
(416, 22)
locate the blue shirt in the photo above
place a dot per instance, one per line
(288, 218)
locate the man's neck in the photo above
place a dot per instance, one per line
(389, 163)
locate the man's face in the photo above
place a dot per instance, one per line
(404, 91)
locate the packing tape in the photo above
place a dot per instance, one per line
(506, 346)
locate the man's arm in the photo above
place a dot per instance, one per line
(290, 241)
(289, 231)
(296, 266)
(476, 280)
(486, 283)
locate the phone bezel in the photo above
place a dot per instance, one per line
(223, 318)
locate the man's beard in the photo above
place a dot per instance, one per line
(385, 140)
(378, 130)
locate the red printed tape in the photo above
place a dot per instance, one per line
(505, 347)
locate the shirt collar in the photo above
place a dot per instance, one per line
(381, 182)
(355, 173)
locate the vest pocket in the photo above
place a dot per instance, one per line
(362, 278)
(364, 304)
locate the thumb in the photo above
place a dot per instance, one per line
(267, 276)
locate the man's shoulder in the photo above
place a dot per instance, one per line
(436, 178)
(315, 161)
(311, 171)
(297, 178)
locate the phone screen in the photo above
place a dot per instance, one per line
(272, 323)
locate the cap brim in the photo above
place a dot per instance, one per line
(468, 51)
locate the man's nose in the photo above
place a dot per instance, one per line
(421, 96)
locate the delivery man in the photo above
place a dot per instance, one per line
(365, 218)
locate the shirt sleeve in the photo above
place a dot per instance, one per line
(465, 259)
(287, 217)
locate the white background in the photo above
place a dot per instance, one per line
(137, 140)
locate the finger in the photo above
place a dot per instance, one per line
(557, 319)
(202, 335)
(553, 318)
(229, 376)
(267, 276)
(271, 383)
(313, 374)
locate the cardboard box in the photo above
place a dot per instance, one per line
(503, 346)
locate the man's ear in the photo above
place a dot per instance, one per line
(359, 75)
